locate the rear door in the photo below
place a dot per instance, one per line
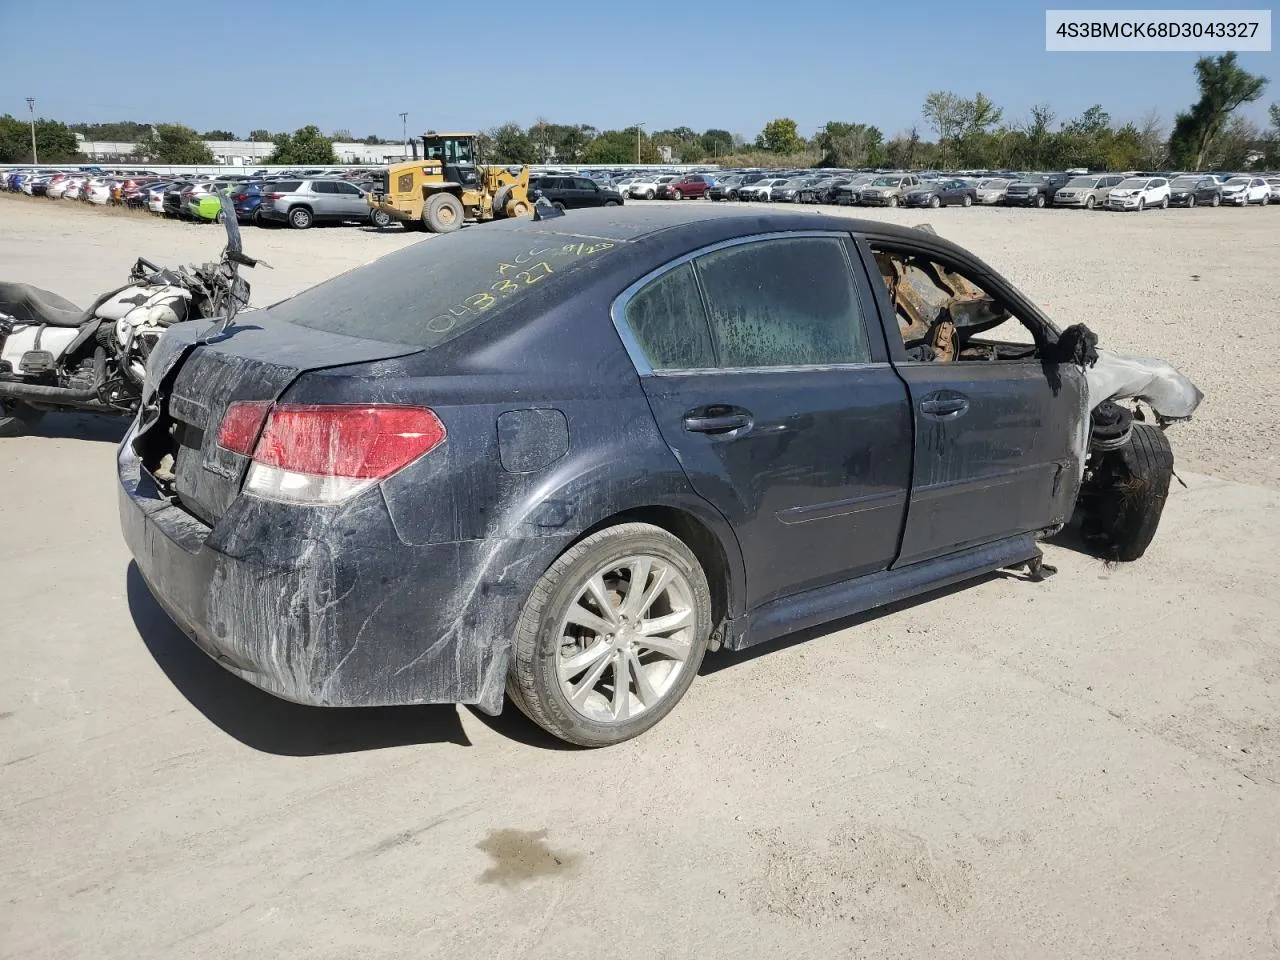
(775, 395)
(997, 441)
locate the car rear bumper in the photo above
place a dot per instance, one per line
(343, 613)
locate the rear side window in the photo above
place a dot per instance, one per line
(670, 324)
(285, 186)
(784, 302)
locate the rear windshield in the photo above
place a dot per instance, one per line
(434, 291)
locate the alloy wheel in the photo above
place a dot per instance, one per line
(626, 639)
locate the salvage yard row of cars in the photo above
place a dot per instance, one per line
(849, 188)
(296, 198)
(302, 198)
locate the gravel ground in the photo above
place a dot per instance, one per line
(1087, 767)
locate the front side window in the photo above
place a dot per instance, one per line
(783, 302)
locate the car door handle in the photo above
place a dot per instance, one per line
(944, 407)
(721, 420)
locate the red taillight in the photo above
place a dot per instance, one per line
(275, 196)
(363, 443)
(241, 425)
(240, 197)
(319, 454)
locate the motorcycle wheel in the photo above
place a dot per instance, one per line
(17, 418)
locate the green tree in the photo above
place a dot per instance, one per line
(780, 136)
(306, 146)
(173, 143)
(848, 144)
(717, 143)
(342, 135)
(508, 143)
(257, 135)
(372, 139)
(945, 113)
(1224, 87)
(619, 146)
(125, 131)
(217, 135)
(55, 142)
(1237, 146)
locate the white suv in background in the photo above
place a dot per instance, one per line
(1138, 193)
(1243, 191)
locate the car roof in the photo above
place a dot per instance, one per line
(639, 222)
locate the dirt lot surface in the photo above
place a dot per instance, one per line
(1088, 767)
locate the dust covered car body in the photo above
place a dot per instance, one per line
(563, 458)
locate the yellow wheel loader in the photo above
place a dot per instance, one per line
(447, 188)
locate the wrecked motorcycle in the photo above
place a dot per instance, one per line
(55, 356)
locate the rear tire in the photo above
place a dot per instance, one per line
(1123, 500)
(443, 213)
(300, 218)
(1164, 204)
(17, 418)
(567, 700)
(968, 200)
(1216, 201)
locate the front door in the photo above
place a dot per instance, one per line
(999, 433)
(350, 201)
(774, 396)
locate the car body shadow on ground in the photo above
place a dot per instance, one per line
(267, 723)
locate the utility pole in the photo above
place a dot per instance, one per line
(404, 129)
(31, 105)
(638, 126)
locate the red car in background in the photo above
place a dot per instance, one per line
(690, 185)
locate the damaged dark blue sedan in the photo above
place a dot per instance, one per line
(557, 461)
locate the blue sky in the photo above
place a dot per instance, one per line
(726, 64)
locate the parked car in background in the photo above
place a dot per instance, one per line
(726, 187)
(1139, 193)
(302, 203)
(246, 199)
(97, 191)
(691, 185)
(1273, 183)
(155, 197)
(850, 194)
(991, 191)
(206, 207)
(1242, 191)
(789, 192)
(941, 193)
(822, 190)
(1194, 190)
(1037, 190)
(761, 190)
(888, 191)
(569, 193)
(1086, 192)
(646, 188)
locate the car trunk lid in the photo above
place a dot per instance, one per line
(191, 384)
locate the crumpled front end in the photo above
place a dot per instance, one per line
(1117, 376)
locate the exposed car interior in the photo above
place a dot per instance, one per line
(943, 315)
